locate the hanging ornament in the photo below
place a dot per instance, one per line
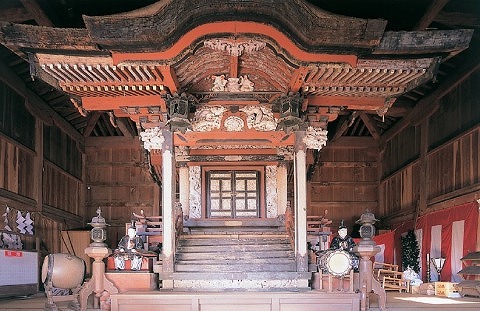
(20, 222)
(28, 223)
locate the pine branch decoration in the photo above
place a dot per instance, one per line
(410, 252)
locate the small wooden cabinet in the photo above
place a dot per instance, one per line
(471, 273)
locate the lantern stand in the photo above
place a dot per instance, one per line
(97, 250)
(438, 264)
(366, 249)
(428, 268)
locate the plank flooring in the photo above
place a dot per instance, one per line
(395, 302)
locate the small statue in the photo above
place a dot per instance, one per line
(342, 241)
(130, 247)
(346, 243)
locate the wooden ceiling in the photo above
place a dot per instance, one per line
(401, 15)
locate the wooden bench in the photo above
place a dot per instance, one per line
(381, 268)
(394, 280)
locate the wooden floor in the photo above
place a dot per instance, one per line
(395, 302)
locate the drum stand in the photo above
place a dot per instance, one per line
(331, 280)
(52, 299)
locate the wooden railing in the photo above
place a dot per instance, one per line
(178, 217)
(290, 224)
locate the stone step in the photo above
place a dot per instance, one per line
(240, 281)
(225, 267)
(234, 255)
(234, 241)
(233, 248)
(238, 261)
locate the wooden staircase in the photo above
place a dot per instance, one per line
(229, 259)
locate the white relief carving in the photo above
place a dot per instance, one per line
(181, 153)
(234, 124)
(210, 147)
(195, 192)
(287, 152)
(234, 48)
(208, 118)
(233, 84)
(152, 138)
(315, 138)
(271, 191)
(219, 83)
(260, 118)
(247, 85)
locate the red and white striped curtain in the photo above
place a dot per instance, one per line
(450, 233)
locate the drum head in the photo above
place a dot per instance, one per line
(339, 263)
(45, 268)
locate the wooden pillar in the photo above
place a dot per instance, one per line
(300, 165)
(282, 192)
(38, 183)
(168, 199)
(423, 189)
(478, 228)
(184, 188)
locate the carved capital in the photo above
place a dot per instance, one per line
(315, 138)
(152, 138)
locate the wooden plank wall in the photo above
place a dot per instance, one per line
(30, 183)
(18, 191)
(447, 172)
(345, 183)
(16, 163)
(62, 190)
(119, 182)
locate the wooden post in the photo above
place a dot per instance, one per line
(168, 198)
(282, 188)
(184, 186)
(300, 203)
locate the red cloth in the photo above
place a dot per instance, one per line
(445, 218)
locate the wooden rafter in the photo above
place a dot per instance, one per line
(91, 122)
(432, 11)
(429, 104)
(37, 13)
(372, 128)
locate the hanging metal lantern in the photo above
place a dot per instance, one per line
(178, 110)
(289, 107)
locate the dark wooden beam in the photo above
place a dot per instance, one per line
(91, 122)
(15, 15)
(37, 13)
(124, 127)
(353, 142)
(41, 109)
(348, 164)
(430, 104)
(341, 128)
(432, 11)
(372, 128)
